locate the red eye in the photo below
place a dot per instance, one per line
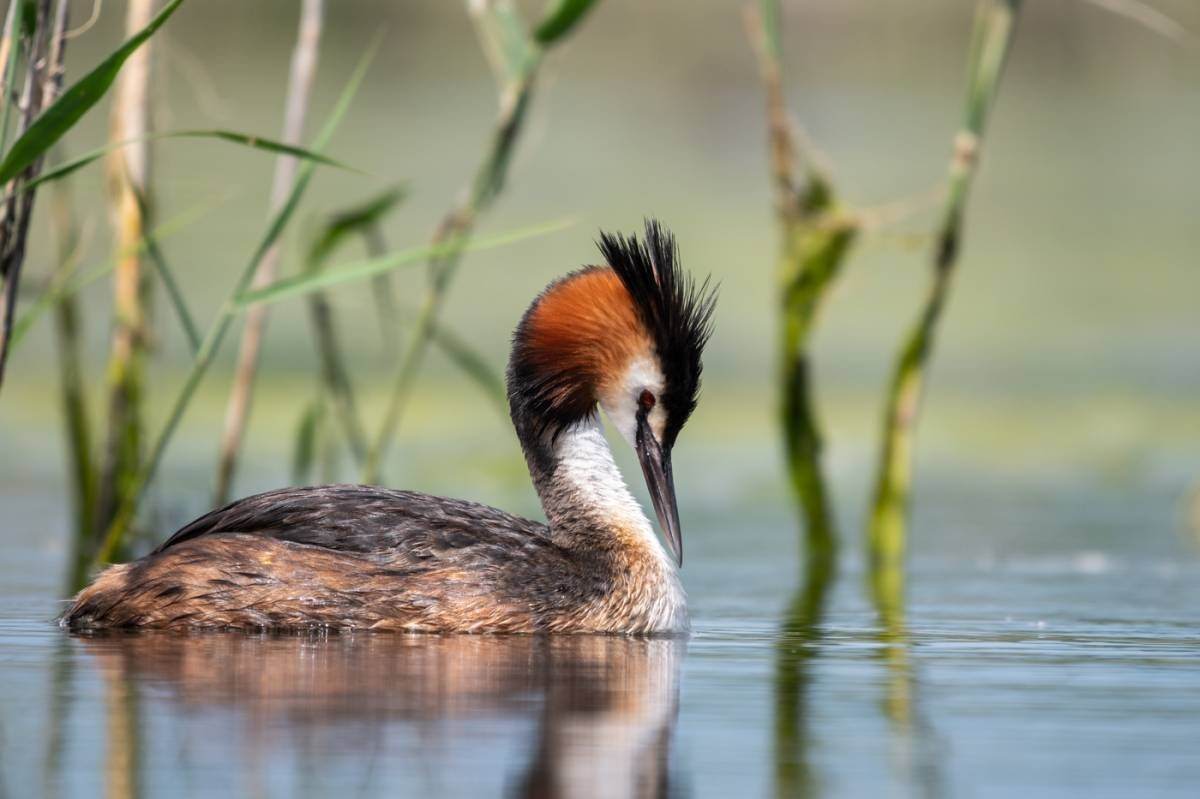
(646, 400)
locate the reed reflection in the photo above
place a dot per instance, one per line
(914, 742)
(57, 710)
(795, 649)
(123, 737)
(603, 708)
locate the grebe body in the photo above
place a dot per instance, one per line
(626, 337)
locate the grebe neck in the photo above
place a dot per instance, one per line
(584, 495)
(594, 516)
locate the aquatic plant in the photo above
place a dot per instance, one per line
(990, 41)
(334, 386)
(816, 233)
(515, 55)
(128, 194)
(300, 81)
(32, 49)
(335, 391)
(41, 41)
(210, 344)
(108, 482)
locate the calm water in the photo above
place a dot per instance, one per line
(1056, 652)
(1050, 645)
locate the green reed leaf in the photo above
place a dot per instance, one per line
(309, 282)
(76, 101)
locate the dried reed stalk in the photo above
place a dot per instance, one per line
(128, 171)
(122, 737)
(9, 47)
(300, 80)
(210, 344)
(515, 56)
(42, 80)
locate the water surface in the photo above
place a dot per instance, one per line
(1052, 648)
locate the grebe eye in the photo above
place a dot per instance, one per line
(646, 400)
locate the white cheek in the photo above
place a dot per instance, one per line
(621, 403)
(658, 422)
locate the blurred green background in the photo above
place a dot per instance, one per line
(1069, 348)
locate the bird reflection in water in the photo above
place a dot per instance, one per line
(600, 711)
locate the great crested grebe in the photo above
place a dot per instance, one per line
(627, 337)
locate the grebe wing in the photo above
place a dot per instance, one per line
(365, 520)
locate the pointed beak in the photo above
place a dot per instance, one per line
(656, 466)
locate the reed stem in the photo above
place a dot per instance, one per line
(887, 532)
(515, 59)
(384, 291)
(149, 243)
(217, 331)
(300, 80)
(816, 235)
(42, 81)
(335, 385)
(128, 178)
(335, 377)
(10, 48)
(73, 394)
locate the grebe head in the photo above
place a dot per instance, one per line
(626, 337)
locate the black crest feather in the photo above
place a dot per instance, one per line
(552, 388)
(677, 312)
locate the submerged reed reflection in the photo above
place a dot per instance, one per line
(603, 709)
(914, 743)
(123, 736)
(795, 649)
(60, 678)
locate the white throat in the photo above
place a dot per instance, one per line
(587, 470)
(589, 492)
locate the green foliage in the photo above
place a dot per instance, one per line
(335, 390)
(305, 449)
(117, 531)
(521, 55)
(474, 365)
(309, 282)
(813, 257)
(888, 529)
(335, 383)
(559, 21)
(769, 15)
(76, 101)
(516, 59)
(816, 235)
(65, 284)
(245, 139)
(353, 222)
(174, 293)
(514, 56)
